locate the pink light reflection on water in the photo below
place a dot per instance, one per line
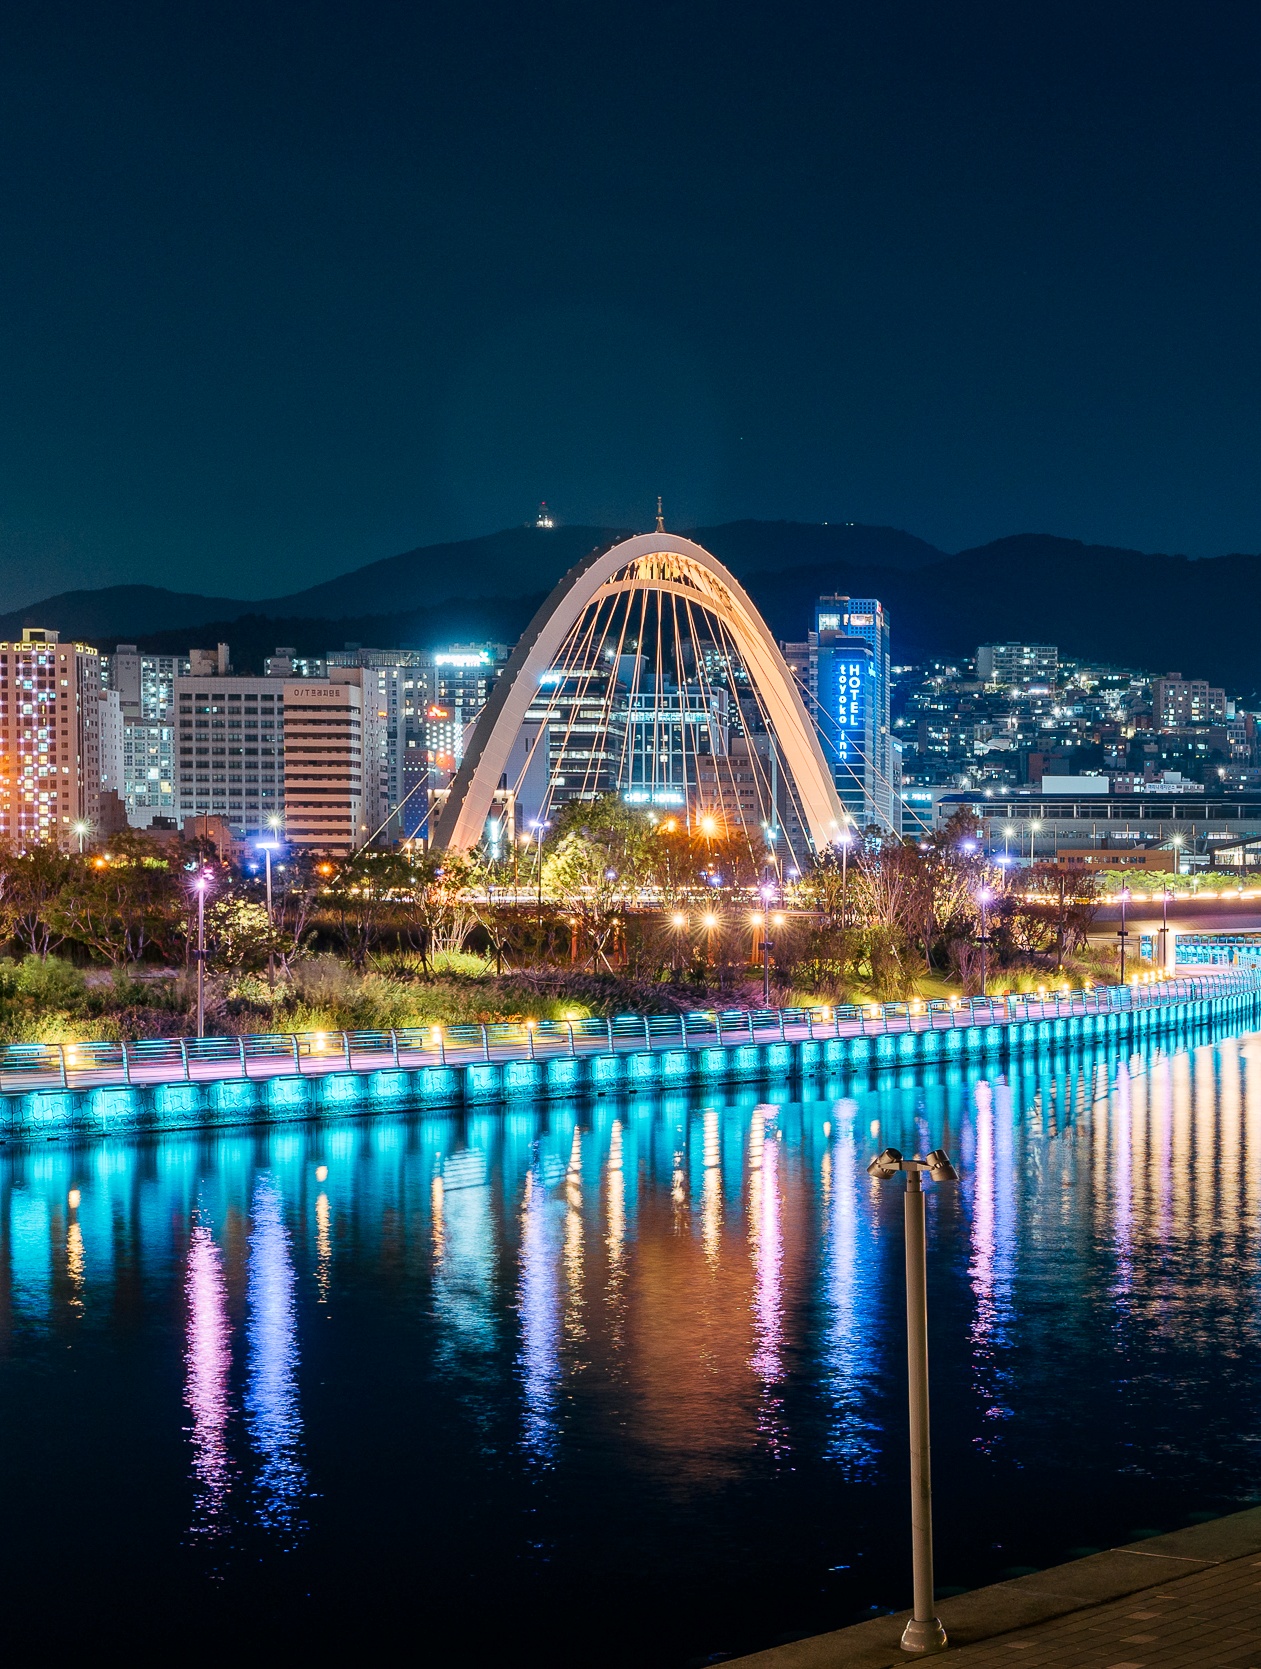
(207, 1363)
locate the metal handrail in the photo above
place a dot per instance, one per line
(171, 1059)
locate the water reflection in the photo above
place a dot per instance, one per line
(207, 1365)
(500, 1323)
(538, 1306)
(272, 1418)
(851, 1296)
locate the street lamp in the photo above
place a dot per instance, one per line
(1164, 927)
(539, 828)
(82, 829)
(267, 847)
(924, 1632)
(983, 898)
(1122, 935)
(201, 884)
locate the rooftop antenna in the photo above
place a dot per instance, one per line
(661, 521)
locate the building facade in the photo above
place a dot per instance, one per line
(849, 686)
(1018, 665)
(50, 721)
(1178, 702)
(324, 763)
(230, 750)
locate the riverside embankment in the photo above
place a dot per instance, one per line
(95, 1088)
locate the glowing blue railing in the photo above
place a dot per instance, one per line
(163, 1060)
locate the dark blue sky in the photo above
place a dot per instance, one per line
(286, 288)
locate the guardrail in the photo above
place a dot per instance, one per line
(163, 1060)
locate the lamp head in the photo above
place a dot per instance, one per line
(885, 1164)
(939, 1166)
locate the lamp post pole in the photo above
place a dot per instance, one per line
(1164, 928)
(924, 1631)
(201, 958)
(271, 922)
(983, 899)
(1122, 935)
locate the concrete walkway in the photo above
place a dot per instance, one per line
(1189, 1598)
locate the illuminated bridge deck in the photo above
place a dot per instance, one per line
(93, 1088)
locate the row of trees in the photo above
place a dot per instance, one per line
(608, 891)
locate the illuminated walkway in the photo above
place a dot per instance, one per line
(168, 1083)
(1190, 1598)
(312, 1054)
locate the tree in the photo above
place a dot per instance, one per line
(33, 882)
(240, 938)
(366, 888)
(440, 911)
(1054, 909)
(121, 904)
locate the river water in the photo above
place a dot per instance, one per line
(619, 1381)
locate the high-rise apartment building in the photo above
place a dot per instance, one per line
(1018, 665)
(50, 724)
(850, 691)
(324, 772)
(145, 688)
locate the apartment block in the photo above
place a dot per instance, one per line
(1179, 701)
(50, 724)
(144, 686)
(1018, 665)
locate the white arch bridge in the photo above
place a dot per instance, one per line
(656, 628)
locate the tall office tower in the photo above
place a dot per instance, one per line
(580, 720)
(145, 686)
(50, 775)
(230, 760)
(324, 763)
(675, 737)
(458, 682)
(850, 688)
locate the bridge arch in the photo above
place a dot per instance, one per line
(655, 562)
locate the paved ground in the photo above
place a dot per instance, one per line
(1189, 1598)
(1212, 1617)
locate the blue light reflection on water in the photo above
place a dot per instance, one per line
(572, 1354)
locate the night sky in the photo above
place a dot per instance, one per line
(288, 288)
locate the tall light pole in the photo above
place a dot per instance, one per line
(843, 840)
(983, 899)
(924, 1632)
(267, 847)
(1122, 935)
(1164, 927)
(82, 829)
(201, 884)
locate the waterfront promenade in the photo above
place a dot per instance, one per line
(51, 1090)
(1190, 1598)
(152, 1061)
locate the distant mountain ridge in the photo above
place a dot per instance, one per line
(512, 563)
(1128, 607)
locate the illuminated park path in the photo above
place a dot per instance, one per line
(158, 1061)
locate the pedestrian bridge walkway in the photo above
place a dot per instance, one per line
(163, 1083)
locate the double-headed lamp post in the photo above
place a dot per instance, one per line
(924, 1632)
